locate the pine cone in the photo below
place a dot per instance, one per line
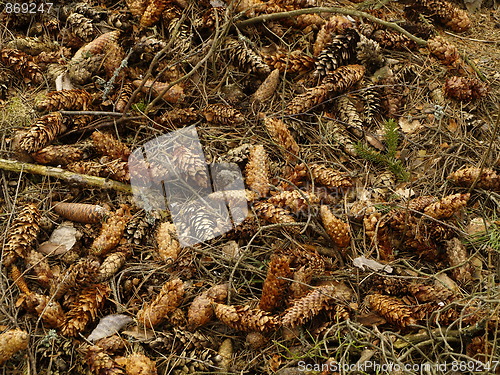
(276, 215)
(178, 117)
(137, 7)
(349, 116)
(85, 308)
(197, 224)
(275, 285)
(340, 51)
(111, 344)
(430, 293)
(152, 13)
(112, 264)
(79, 274)
(170, 296)
(174, 94)
(338, 132)
(296, 201)
(294, 62)
(236, 155)
(257, 170)
(101, 363)
(45, 130)
(168, 245)
(392, 309)
(480, 348)
(183, 40)
(96, 47)
(106, 144)
(76, 100)
(137, 364)
(336, 24)
(11, 342)
(447, 206)
(329, 177)
(22, 64)
(250, 7)
(336, 228)
(124, 97)
(191, 164)
(111, 232)
(201, 311)
(369, 55)
(335, 83)
(81, 212)
(445, 52)
(445, 13)
(47, 309)
(245, 58)
(458, 258)
(58, 155)
(18, 278)
(38, 262)
(420, 203)
(393, 40)
(21, 234)
(81, 26)
(464, 89)
(486, 178)
(223, 114)
(312, 303)
(243, 318)
(138, 227)
(114, 169)
(281, 135)
(267, 88)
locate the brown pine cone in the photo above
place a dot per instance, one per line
(111, 232)
(447, 206)
(170, 296)
(223, 114)
(106, 144)
(486, 178)
(85, 308)
(464, 89)
(168, 244)
(267, 88)
(274, 287)
(336, 228)
(22, 64)
(335, 83)
(81, 212)
(445, 52)
(11, 342)
(243, 318)
(45, 130)
(244, 57)
(112, 264)
(392, 309)
(276, 215)
(296, 201)
(336, 24)
(445, 13)
(79, 274)
(294, 62)
(281, 135)
(21, 234)
(76, 99)
(152, 12)
(257, 171)
(329, 177)
(49, 310)
(58, 155)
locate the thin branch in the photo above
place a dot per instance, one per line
(93, 113)
(345, 11)
(103, 183)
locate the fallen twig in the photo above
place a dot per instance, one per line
(103, 183)
(346, 11)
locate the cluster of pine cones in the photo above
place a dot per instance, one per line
(121, 59)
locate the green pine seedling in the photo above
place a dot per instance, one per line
(388, 160)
